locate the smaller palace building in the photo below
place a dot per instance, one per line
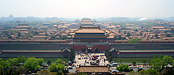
(89, 38)
(89, 34)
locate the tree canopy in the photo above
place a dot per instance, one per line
(158, 63)
(122, 68)
(32, 64)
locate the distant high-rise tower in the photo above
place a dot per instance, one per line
(77, 21)
(94, 20)
(11, 16)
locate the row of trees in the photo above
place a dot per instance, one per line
(22, 65)
(144, 72)
(58, 67)
(158, 66)
(158, 63)
(16, 65)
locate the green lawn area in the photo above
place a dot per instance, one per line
(129, 60)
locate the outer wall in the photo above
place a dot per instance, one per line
(100, 47)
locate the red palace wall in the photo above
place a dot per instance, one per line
(100, 47)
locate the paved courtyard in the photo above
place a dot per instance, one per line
(86, 59)
(80, 59)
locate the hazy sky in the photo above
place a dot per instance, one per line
(87, 8)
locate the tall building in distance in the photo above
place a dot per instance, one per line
(86, 22)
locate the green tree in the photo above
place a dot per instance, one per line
(12, 62)
(31, 31)
(107, 35)
(151, 72)
(156, 35)
(72, 54)
(128, 34)
(168, 35)
(64, 37)
(37, 67)
(8, 61)
(46, 34)
(115, 38)
(173, 63)
(19, 34)
(136, 30)
(110, 58)
(167, 60)
(11, 71)
(15, 62)
(3, 66)
(22, 59)
(41, 61)
(49, 62)
(56, 68)
(53, 37)
(148, 72)
(157, 63)
(31, 63)
(10, 37)
(124, 32)
(30, 35)
(141, 33)
(22, 70)
(136, 40)
(134, 63)
(119, 37)
(122, 68)
(58, 61)
(119, 30)
(36, 33)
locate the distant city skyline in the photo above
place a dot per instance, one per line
(87, 8)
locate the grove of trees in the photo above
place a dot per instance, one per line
(158, 63)
(22, 65)
(123, 68)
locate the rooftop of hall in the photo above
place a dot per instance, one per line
(86, 18)
(90, 36)
(93, 69)
(86, 21)
(89, 29)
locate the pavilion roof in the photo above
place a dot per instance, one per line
(90, 31)
(93, 69)
(90, 36)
